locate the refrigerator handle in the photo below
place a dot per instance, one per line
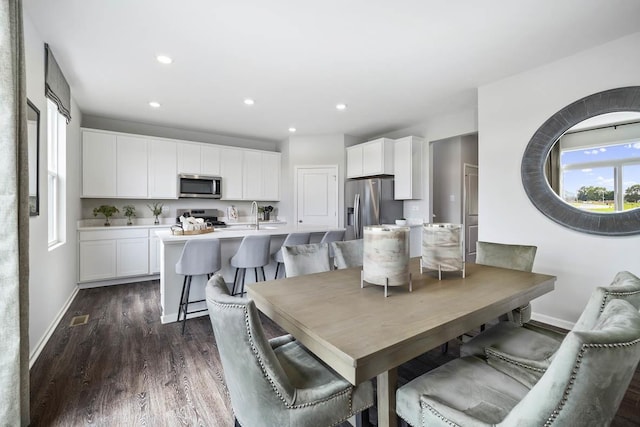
(356, 216)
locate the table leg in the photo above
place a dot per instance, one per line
(387, 382)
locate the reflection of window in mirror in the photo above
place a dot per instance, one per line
(595, 165)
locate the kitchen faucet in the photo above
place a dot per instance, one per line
(254, 205)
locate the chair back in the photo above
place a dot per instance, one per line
(292, 239)
(306, 259)
(254, 376)
(588, 376)
(199, 257)
(348, 253)
(332, 236)
(515, 257)
(625, 286)
(253, 252)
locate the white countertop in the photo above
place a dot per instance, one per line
(240, 232)
(120, 224)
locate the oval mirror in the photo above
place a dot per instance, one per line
(581, 168)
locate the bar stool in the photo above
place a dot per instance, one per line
(199, 257)
(332, 236)
(252, 253)
(292, 239)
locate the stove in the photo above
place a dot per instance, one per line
(209, 215)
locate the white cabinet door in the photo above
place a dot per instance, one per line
(408, 168)
(132, 257)
(97, 260)
(231, 171)
(131, 167)
(354, 161)
(271, 176)
(163, 175)
(209, 160)
(372, 158)
(189, 158)
(252, 176)
(98, 164)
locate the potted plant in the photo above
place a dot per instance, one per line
(156, 210)
(107, 211)
(129, 211)
(267, 212)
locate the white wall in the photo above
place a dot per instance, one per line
(510, 111)
(52, 279)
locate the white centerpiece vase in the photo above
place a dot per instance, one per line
(386, 256)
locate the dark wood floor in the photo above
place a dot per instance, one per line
(125, 368)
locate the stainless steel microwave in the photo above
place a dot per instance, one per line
(200, 186)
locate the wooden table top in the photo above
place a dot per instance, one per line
(360, 333)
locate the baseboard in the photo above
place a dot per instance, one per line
(554, 321)
(172, 317)
(121, 281)
(38, 349)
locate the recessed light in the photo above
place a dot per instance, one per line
(154, 104)
(164, 59)
(341, 106)
(292, 130)
(249, 101)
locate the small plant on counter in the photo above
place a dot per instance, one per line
(265, 211)
(107, 211)
(129, 211)
(156, 210)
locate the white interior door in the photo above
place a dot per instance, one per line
(317, 195)
(470, 211)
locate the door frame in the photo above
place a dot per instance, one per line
(464, 206)
(296, 169)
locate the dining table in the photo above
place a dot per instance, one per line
(362, 334)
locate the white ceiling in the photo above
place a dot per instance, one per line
(394, 63)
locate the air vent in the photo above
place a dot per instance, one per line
(79, 320)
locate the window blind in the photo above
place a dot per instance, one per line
(56, 87)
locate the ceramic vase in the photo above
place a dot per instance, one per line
(386, 255)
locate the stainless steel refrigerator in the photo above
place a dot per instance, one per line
(369, 202)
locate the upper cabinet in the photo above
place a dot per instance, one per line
(116, 165)
(370, 158)
(408, 167)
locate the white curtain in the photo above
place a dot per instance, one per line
(14, 221)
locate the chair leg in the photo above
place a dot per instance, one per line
(482, 327)
(264, 278)
(255, 271)
(235, 281)
(181, 306)
(444, 348)
(362, 419)
(242, 277)
(236, 423)
(277, 268)
(186, 305)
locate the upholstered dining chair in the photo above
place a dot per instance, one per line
(277, 382)
(529, 348)
(348, 253)
(583, 386)
(332, 236)
(292, 239)
(306, 259)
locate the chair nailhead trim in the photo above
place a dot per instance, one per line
(264, 370)
(514, 362)
(433, 410)
(607, 294)
(576, 368)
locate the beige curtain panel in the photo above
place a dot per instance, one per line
(14, 221)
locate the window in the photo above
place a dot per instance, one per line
(56, 171)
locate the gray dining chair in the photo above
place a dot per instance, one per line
(332, 236)
(292, 239)
(583, 385)
(530, 348)
(347, 254)
(277, 382)
(198, 258)
(306, 259)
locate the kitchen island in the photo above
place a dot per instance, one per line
(230, 238)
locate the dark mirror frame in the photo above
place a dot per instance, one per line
(34, 164)
(535, 156)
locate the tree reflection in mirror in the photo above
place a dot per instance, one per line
(595, 165)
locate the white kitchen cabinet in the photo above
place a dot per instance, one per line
(231, 171)
(110, 254)
(261, 180)
(97, 260)
(354, 161)
(98, 164)
(132, 256)
(370, 158)
(408, 168)
(131, 167)
(163, 176)
(189, 160)
(209, 160)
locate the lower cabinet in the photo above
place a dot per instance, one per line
(111, 254)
